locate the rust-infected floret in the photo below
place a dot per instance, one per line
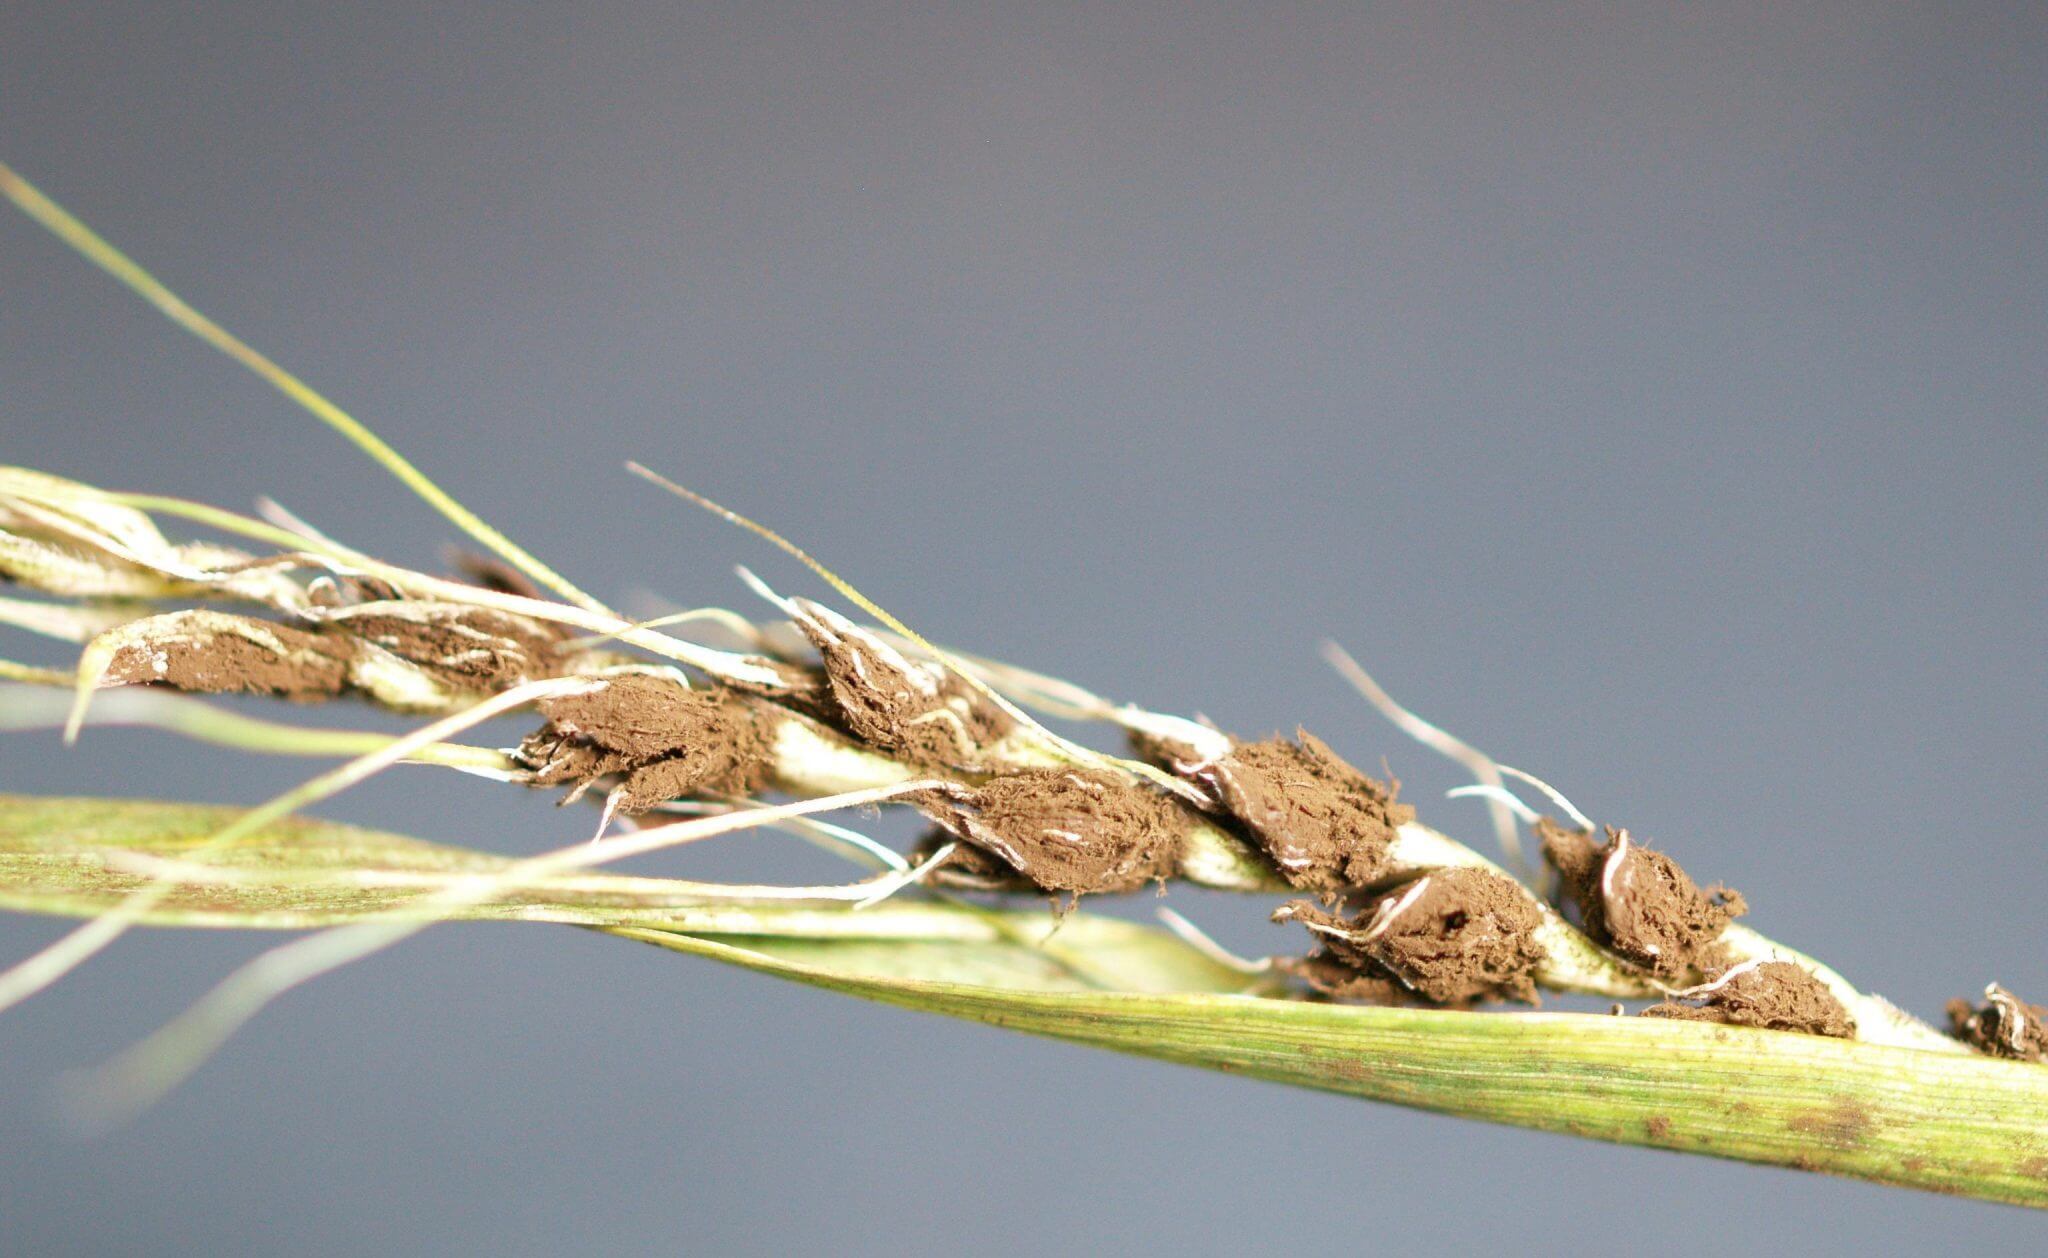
(1074, 830)
(1452, 937)
(1638, 902)
(662, 739)
(918, 710)
(473, 650)
(1325, 825)
(207, 652)
(1775, 995)
(2003, 1026)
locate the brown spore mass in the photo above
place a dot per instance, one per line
(1776, 995)
(1451, 937)
(969, 868)
(949, 728)
(663, 739)
(1076, 830)
(1326, 825)
(471, 649)
(1636, 901)
(917, 710)
(311, 666)
(2004, 1026)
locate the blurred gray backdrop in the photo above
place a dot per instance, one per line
(1653, 395)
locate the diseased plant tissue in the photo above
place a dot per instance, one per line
(647, 725)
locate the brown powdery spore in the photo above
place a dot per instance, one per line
(1638, 902)
(2004, 1026)
(1324, 824)
(1775, 995)
(969, 868)
(917, 710)
(1076, 830)
(468, 649)
(1451, 937)
(661, 738)
(208, 652)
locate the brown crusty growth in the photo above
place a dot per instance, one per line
(1324, 824)
(1077, 830)
(1776, 995)
(208, 652)
(917, 710)
(2004, 1026)
(1638, 902)
(470, 650)
(1452, 937)
(969, 868)
(661, 738)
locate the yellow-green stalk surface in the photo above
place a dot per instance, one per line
(1966, 1124)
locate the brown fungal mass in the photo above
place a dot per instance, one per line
(969, 868)
(468, 649)
(1451, 937)
(215, 654)
(1077, 830)
(426, 652)
(2004, 1026)
(918, 710)
(663, 739)
(1776, 995)
(1324, 824)
(1638, 902)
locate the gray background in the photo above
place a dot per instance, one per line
(1654, 396)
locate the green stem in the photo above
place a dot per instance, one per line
(1967, 1125)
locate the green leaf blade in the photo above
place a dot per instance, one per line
(65, 856)
(1970, 1126)
(1950, 1123)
